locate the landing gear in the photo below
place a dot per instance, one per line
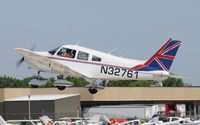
(159, 83)
(34, 86)
(38, 75)
(34, 83)
(61, 87)
(92, 90)
(62, 84)
(93, 87)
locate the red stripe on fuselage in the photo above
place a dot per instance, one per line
(138, 66)
(87, 62)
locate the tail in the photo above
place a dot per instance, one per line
(46, 120)
(162, 59)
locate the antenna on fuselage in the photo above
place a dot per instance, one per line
(122, 56)
(80, 40)
(113, 50)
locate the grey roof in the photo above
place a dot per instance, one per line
(43, 97)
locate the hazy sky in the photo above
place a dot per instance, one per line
(138, 28)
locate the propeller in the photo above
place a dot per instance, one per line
(20, 62)
(22, 59)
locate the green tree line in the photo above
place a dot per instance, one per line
(10, 82)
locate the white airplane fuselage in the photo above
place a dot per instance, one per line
(110, 67)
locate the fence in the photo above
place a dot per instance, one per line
(25, 116)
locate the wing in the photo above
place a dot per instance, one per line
(43, 62)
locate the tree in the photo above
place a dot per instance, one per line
(78, 82)
(130, 83)
(9, 82)
(143, 83)
(122, 83)
(173, 82)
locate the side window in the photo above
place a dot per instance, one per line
(96, 58)
(174, 119)
(53, 51)
(82, 55)
(136, 123)
(69, 53)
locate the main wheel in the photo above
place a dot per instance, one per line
(92, 90)
(61, 87)
(34, 86)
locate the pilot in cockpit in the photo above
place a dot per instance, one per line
(68, 54)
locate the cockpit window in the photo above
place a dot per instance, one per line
(174, 119)
(96, 58)
(53, 51)
(65, 52)
(82, 55)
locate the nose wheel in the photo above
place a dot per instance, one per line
(92, 90)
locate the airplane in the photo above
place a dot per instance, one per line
(95, 120)
(3, 122)
(19, 122)
(78, 61)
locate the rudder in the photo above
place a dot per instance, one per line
(163, 58)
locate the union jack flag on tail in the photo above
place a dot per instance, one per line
(162, 59)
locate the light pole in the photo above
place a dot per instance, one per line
(29, 107)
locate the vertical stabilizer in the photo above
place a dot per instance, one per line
(46, 120)
(162, 59)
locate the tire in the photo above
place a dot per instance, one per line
(61, 87)
(34, 86)
(92, 91)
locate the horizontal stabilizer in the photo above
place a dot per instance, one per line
(178, 77)
(163, 75)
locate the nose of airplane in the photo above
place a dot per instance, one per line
(17, 50)
(21, 51)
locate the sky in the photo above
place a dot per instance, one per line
(137, 28)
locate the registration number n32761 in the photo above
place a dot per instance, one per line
(118, 71)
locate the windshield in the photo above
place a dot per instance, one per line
(53, 51)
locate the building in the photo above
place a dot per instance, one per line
(34, 106)
(173, 96)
